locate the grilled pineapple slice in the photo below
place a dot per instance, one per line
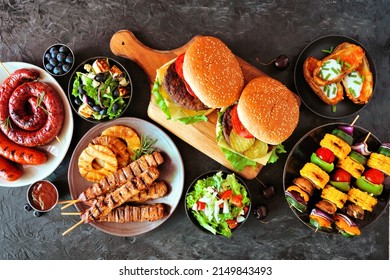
(127, 134)
(334, 195)
(339, 147)
(362, 199)
(116, 146)
(106, 160)
(351, 166)
(380, 162)
(318, 177)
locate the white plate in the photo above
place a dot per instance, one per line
(172, 172)
(56, 150)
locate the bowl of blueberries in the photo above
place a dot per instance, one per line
(58, 59)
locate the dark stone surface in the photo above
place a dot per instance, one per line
(250, 28)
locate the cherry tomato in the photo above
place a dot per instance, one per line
(179, 65)
(200, 205)
(226, 194)
(232, 223)
(325, 154)
(238, 126)
(237, 200)
(374, 176)
(341, 175)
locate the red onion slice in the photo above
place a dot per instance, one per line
(347, 129)
(361, 148)
(347, 219)
(318, 212)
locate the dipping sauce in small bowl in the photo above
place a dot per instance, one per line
(42, 196)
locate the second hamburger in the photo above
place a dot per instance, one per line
(251, 132)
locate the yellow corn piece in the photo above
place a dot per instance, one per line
(318, 177)
(362, 199)
(380, 162)
(339, 147)
(334, 195)
(351, 166)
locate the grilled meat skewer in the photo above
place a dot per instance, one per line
(116, 198)
(139, 213)
(118, 178)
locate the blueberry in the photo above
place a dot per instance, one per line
(37, 213)
(78, 101)
(103, 112)
(116, 92)
(63, 49)
(96, 108)
(49, 67)
(66, 67)
(27, 207)
(57, 70)
(81, 90)
(53, 61)
(69, 59)
(52, 49)
(47, 56)
(91, 103)
(115, 107)
(61, 57)
(54, 54)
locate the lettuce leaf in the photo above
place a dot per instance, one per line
(279, 149)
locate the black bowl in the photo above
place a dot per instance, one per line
(58, 60)
(346, 107)
(80, 68)
(189, 213)
(300, 154)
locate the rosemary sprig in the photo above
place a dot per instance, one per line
(39, 102)
(146, 147)
(7, 123)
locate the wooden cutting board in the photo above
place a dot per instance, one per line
(200, 135)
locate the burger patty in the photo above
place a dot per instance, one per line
(176, 89)
(227, 124)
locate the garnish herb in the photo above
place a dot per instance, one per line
(328, 51)
(327, 76)
(333, 108)
(7, 123)
(39, 102)
(146, 147)
(352, 91)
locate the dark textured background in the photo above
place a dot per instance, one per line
(250, 28)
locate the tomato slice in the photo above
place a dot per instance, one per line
(237, 200)
(226, 194)
(179, 65)
(374, 176)
(200, 205)
(325, 154)
(232, 223)
(238, 126)
(341, 175)
(190, 91)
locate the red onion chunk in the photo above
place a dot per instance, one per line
(347, 219)
(386, 145)
(361, 148)
(318, 212)
(347, 129)
(296, 196)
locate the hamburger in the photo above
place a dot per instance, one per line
(206, 77)
(251, 131)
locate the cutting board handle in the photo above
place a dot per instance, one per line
(124, 43)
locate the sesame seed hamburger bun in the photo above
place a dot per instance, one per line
(213, 72)
(268, 110)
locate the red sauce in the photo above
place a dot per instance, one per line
(43, 195)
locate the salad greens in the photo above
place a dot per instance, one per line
(219, 204)
(101, 90)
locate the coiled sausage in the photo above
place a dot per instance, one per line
(14, 99)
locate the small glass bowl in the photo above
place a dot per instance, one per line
(58, 60)
(42, 196)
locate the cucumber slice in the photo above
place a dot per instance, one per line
(257, 150)
(240, 144)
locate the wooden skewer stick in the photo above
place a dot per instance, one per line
(354, 121)
(73, 227)
(66, 201)
(69, 204)
(368, 135)
(5, 68)
(70, 213)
